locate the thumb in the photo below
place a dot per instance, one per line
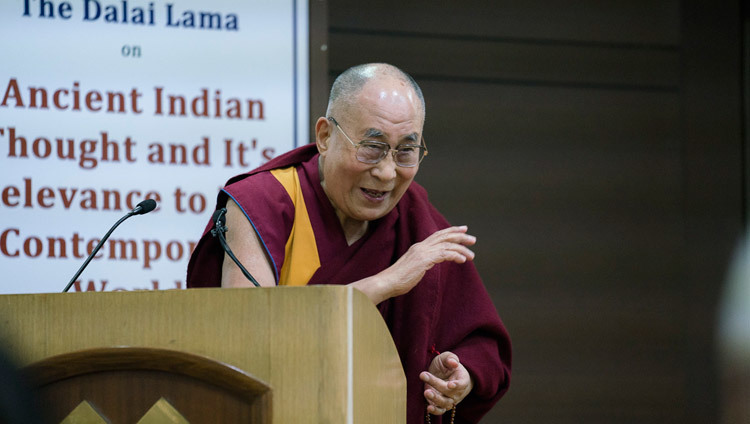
(444, 364)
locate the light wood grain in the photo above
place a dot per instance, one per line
(294, 339)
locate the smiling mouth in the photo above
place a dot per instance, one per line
(374, 194)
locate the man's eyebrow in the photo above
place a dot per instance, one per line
(376, 133)
(373, 133)
(412, 137)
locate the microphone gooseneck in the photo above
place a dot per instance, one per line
(144, 207)
(219, 220)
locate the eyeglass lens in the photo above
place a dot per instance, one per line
(375, 152)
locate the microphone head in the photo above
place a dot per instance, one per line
(145, 206)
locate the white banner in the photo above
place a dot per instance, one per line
(104, 103)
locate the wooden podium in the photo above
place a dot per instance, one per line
(319, 354)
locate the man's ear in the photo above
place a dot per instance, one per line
(323, 129)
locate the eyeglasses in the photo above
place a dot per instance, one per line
(373, 151)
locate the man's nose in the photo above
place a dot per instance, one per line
(385, 170)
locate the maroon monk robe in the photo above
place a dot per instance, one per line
(449, 310)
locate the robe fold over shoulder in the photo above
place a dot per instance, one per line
(449, 310)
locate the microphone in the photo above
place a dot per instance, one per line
(144, 207)
(219, 229)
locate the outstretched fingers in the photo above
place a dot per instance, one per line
(453, 234)
(457, 253)
(451, 244)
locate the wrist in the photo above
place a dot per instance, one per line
(375, 288)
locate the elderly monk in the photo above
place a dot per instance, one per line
(345, 210)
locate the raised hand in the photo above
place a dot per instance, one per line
(448, 244)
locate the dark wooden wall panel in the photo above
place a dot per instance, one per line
(575, 196)
(319, 87)
(558, 131)
(512, 61)
(640, 22)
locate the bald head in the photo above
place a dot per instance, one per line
(349, 84)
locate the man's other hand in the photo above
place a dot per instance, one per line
(446, 383)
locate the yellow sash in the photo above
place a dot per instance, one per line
(301, 252)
